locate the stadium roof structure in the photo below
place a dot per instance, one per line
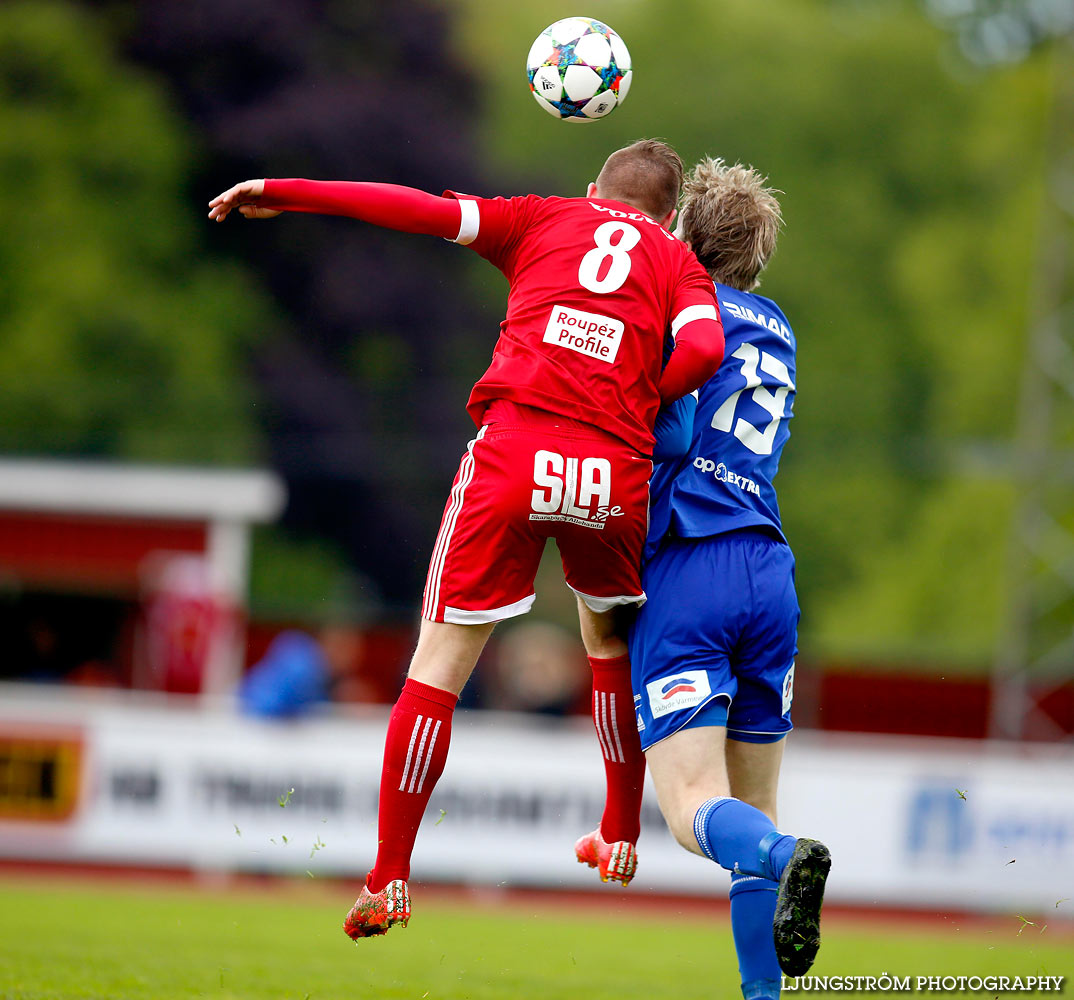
(114, 529)
(140, 490)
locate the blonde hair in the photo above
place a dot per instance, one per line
(647, 174)
(731, 221)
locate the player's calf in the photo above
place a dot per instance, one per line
(796, 926)
(616, 862)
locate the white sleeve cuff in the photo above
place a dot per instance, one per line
(691, 313)
(470, 221)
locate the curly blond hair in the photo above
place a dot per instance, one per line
(731, 221)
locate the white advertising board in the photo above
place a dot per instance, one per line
(944, 824)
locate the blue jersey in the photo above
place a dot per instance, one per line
(739, 429)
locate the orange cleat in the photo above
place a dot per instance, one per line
(616, 862)
(374, 912)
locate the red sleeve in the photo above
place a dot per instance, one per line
(388, 205)
(493, 226)
(698, 335)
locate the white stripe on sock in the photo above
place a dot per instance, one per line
(410, 751)
(607, 729)
(615, 729)
(429, 755)
(596, 724)
(701, 824)
(421, 750)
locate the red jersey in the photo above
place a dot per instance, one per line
(595, 287)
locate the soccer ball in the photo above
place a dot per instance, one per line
(579, 69)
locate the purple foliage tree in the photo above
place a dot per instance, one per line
(363, 384)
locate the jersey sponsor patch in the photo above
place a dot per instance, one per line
(747, 315)
(788, 688)
(725, 475)
(586, 333)
(616, 213)
(676, 691)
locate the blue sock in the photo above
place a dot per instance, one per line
(753, 906)
(742, 839)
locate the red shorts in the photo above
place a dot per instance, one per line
(529, 476)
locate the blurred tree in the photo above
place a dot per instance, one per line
(991, 32)
(364, 390)
(120, 338)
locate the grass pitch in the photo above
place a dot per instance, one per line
(92, 941)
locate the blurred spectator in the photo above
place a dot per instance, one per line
(94, 674)
(300, 672)
(188, 623)
(538, 667)
(42, 657)
(56, 637)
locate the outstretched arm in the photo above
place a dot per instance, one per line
(390, 205)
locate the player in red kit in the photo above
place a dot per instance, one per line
(565, 414)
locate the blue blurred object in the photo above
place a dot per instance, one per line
(292, 678)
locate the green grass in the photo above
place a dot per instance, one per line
(87, 942)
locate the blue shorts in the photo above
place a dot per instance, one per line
(719, 632)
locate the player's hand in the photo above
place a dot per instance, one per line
(244, 197)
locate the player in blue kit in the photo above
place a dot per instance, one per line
(712, 652)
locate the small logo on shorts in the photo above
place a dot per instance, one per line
(641, 721)
(788, 688)
(678, 691)
(681, 685)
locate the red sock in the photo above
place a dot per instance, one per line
(415, 751)
(624, 762)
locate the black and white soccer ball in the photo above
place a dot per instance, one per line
(579, 69)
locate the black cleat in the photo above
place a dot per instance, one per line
(796, 927)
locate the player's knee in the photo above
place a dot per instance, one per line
(603, 633)
(684, 835)
(608, 647)
(680, 821)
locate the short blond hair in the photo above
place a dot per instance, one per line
(647, 174)
(731, 221)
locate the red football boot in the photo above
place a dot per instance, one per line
(374, 912)
(616, 862)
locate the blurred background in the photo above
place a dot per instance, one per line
(225, 449)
